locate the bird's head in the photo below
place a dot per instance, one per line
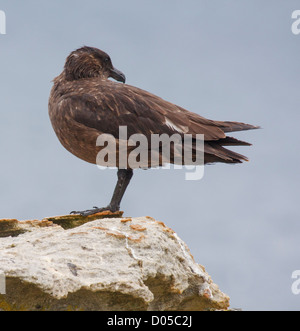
(87, 62)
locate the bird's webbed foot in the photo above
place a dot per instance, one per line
(95, 210)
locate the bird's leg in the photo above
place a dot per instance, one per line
(124, 177)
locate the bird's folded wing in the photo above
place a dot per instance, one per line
(113, 105)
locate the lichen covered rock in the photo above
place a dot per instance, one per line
(102, 264)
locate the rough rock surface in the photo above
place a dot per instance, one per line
(102, 264)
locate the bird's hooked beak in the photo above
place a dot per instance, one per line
(117, 75)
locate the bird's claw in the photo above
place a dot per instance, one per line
(89, 212)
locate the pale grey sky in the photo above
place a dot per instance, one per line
(233, 60)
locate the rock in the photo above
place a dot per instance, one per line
(96, 263)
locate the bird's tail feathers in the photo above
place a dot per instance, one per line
(235, 126)
(215, 152)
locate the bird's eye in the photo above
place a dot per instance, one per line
(106, 59)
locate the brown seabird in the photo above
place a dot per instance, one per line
(84, 104)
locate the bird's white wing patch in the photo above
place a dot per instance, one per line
(170, 124)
